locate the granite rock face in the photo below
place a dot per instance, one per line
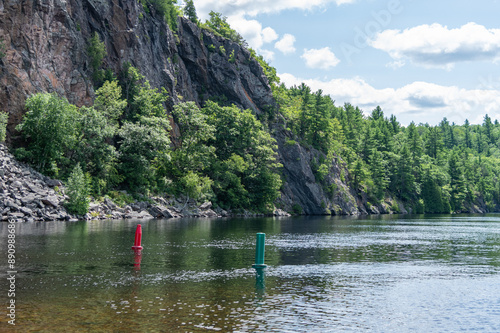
(46, 51)
(303, 192)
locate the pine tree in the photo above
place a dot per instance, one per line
(379, 174)
(433, 142)
(488, 128)
(405, 180)
(190, 11)
(467, 139)
(431, 193)
(457, 182)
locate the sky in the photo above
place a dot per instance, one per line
(420, 60)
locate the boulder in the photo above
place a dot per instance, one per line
(51, 201)
(206, 205)
(53, 182)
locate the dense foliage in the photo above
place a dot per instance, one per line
(123, 141)
(436, 169)
(217, 23)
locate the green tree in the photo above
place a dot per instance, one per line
(109, 101)
(196, 187)
(142, 99)
(190, 11)
(488, 128)
(166, 8)
(242, 146)
(377, 113)
(191, 151)
(78, 192)
(467, 139)
(433, 142)
(148, 102)
(457, 183)
(94, 149)
(51, 128)
(218, 23)
(395, 124)
(405, 180)
(359, 174)
(143, 144)
(431, 194)
(96, 51)
(378, 169)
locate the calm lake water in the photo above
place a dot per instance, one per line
(324, 274)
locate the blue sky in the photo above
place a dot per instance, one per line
(419, 60)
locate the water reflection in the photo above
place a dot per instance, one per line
(379, 274)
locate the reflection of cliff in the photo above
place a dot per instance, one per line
(47, 52)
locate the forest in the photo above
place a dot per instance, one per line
(125, 141)
(433, 169)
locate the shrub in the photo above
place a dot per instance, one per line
(232, 58)
(297, 209)
(50, 127)
(395, 207)
(78, 191)
(4, 117)
(196, 187)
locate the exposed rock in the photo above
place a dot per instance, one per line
(53, 182)
(51, 200)
(206, 205)
(24, 193)
(162, 212)
(139, 215)
(302, 192)
(110, 204)
(280, 212)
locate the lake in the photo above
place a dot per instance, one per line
(325, 274)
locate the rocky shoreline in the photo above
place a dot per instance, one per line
(27, 195)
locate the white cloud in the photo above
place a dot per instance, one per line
(320, 58)
(255, 7)
(418, 101)
(267, 55)
(269, 35)
(252, 31)
(285, 44)
(437, 46)
(238, 12)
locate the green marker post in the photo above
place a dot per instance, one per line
(259, 251)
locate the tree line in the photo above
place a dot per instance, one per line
(433, 169)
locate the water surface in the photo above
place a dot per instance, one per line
(325, 274)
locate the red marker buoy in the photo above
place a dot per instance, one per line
(138, 237)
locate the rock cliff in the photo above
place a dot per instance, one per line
(46, 50)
